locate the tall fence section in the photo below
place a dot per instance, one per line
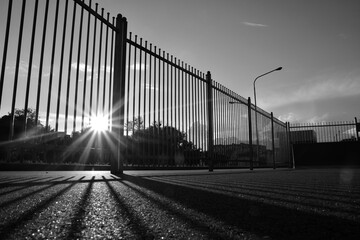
(326, 144)
(325, 132)
(77, 86)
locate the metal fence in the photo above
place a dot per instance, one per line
(57, 76)
(239, 141)
(81, 70)
(325, 132)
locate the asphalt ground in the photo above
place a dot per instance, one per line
(224, 204)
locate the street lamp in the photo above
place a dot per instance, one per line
(256, 122)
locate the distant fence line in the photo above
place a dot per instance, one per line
(325, 132)
(80, 66)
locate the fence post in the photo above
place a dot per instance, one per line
(210, 121)
(291, 148)
(118, 108)
(357, 129)
(250, 136)
(273, 140)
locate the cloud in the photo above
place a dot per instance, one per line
(316, 89)
(138, 66)
(350, 132)
(288, 117)
(318, 119)
(254, 24)
(148, 86)
(107, 68)
(82, 67)
(23, 68)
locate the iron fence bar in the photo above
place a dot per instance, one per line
(357, 128)
(6, 42)
(128, 92)
(150, 84)
(173, 111)
(159, 104)
(186, 104)
(139, 84)
(167, 108)
(12, 123)
(159, 95)
(52, 66)
(203, 113)
(177, 95)
(121, 108)
(228, 119)
(162, 111)
(273, 140)
(133, 100)
(134, 87)
(96, 15)
(77, 69)
(155, 90)
(145, 89)
(216, 117)
(69, 68)
(105, 65)
(197, 112)
(99, 66)
(250, 135)
(192, 121)
(93, 66)
(61, 67)
(41, 63)
(223, 118)
(119, 93)
(193, 108)
(288, 142)
(163, 104)
(163, 92)
(139, 90)
(31, 56)
(182, 99)
(154, 105)
(176, 108)
(86, 68)
(210, 120)
(111, 74)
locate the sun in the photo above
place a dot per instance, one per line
(99, 123)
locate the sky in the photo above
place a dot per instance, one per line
(316, 42)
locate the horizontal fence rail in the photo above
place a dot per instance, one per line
(75, 86)
(325, 132)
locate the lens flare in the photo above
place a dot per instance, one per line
(99, 123)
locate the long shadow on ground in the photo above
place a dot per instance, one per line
(262, 218)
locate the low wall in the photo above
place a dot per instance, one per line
(327, 154)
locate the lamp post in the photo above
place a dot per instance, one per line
(256, 122)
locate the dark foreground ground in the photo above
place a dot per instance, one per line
(231, 204)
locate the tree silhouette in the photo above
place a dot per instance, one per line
(156, 145)
(32, 128)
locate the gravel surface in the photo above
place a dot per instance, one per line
(225, 204)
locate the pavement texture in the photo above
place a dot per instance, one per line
(224, 204)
